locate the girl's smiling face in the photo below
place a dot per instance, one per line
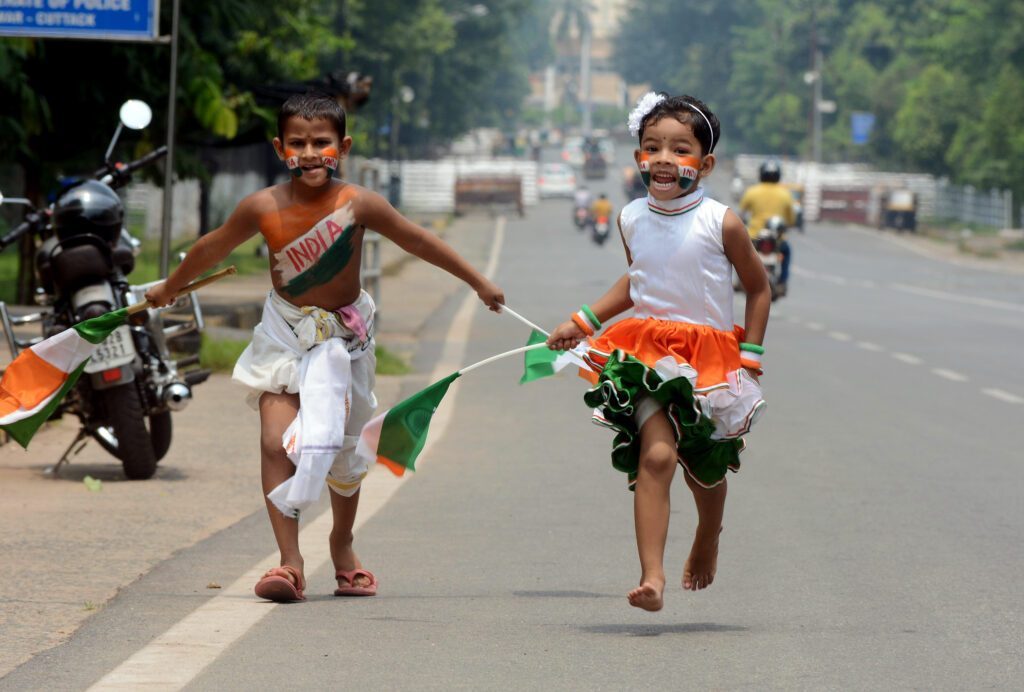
(669, 146)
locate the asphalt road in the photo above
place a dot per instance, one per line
(872, 539)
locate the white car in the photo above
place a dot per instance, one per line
(572, 151)
(556, 180)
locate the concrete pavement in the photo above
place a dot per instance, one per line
(69, 550)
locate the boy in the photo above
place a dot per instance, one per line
(314, 345)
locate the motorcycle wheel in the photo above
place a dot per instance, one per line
(160, 429)
(134, 446)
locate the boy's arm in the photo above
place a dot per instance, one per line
(750, 269)
(376, 213)
(208, 251)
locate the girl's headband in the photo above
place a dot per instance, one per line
(646, 104)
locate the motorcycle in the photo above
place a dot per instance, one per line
(768, 244)
(82, 262)
(601, 230)
(580, 216)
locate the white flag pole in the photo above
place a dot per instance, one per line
(528, 323)
(485, 361)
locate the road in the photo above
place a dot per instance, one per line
(871, 539)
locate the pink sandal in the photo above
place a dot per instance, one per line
(281, 585)
(352, 589)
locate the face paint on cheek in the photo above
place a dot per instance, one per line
(688, 168)
(291, 160)
(645, 169)
(330, 159)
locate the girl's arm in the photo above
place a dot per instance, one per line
(750, 269)
(375, 212)
(614, 302)
(209, 251)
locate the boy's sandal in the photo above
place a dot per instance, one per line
(351, 589)
(281, 585)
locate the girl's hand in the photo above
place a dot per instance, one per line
(492, 296)
(753, 373)
(566, 336)
(158, 296)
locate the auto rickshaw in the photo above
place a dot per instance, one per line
(899, 210)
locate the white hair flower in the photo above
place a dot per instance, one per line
(644, 105)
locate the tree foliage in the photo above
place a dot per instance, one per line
(61, 97)
(942, 77)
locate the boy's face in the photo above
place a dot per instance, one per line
(310, 147)
(670, 154)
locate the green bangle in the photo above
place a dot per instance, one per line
(591, 316)
(752, 348)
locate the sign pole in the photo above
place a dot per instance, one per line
(165, 226)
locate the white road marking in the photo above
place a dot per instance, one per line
(1003, 396)
(815, 326)
(950, 374)
(907, 358)
(840, 336)
(866, 283)
(869, 346)
(956, 298)
(176, 657)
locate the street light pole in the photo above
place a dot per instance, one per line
(816, 142)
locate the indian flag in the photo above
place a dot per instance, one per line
(545, 362)
(34, 384)
(396, 437)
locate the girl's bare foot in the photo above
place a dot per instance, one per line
(346, 560)
(699, 571)
(648, 595)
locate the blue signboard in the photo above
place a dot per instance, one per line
(861, 125)
(99, 19)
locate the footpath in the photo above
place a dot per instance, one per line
(71, 542)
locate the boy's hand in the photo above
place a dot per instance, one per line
(492, 296)
(566, 336)
(158, 296)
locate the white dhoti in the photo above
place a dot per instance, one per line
(327, 358)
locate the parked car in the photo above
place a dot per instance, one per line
(556, 180)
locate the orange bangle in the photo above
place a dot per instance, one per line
(582, 324)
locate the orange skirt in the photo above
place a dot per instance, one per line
(693, 373)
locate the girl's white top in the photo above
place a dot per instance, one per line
(679, 271)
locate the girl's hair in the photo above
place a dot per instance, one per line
(687, 110)
(312, 105)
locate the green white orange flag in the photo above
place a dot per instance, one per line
(545, 362)
(396, 437)
(36, 381)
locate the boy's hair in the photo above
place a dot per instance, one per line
(687, 110)
(312, 105)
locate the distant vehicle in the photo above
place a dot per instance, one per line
(899, 210)
(632, 184)
(798, 206)
(572, 151)
(556, 180)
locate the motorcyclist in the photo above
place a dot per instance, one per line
(764, 200)
(602, 207)
(582, 197)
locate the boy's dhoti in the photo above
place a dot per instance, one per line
(327, 358)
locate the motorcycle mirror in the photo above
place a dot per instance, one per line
(135, 114)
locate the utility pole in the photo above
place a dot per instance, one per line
(816, 79)
(585, 75)
(165, 226)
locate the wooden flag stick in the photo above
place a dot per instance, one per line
(194, 286)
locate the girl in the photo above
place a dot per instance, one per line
(677, 381)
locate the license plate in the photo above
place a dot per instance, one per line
(117, 349)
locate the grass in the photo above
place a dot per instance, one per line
(147, 264)
(220, 355)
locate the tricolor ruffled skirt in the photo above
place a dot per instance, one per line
(691, 372)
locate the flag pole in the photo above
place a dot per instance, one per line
(513, 352)
(194, 286)
(528, 323)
